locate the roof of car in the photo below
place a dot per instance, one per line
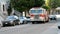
(13, 16)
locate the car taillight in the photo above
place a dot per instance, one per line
(32, 15)
(42, 15)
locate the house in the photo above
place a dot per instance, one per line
(58, 10)
(3, 8)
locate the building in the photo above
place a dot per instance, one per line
(3, 8)
(58, 10)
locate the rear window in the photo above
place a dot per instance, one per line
(36, 11)
(10, 17)
(22, 17)
(27, 17)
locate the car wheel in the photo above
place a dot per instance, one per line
(43, 22)
(13, 24)
(18, 23)
(33, 22)
(47, 20)
(55, 18)
(24, 22)
(3, 26)
(58, 27)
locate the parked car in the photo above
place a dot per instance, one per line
(11, 20)
(22, 20)
(52, 17)
(28, 19)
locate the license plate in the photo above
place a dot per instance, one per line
(6, 23)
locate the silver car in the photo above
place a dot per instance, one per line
(52, 17)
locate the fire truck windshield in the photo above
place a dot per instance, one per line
(36, 11)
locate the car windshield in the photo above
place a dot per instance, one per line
(10, 17)
(36, 11)
(22, 17)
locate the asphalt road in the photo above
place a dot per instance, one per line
(47, 28)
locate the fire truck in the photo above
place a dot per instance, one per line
(38, 15)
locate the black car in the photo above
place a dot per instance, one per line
(11, 20)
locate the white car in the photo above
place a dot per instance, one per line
(22, 20)
(52, 17)
(28, 19)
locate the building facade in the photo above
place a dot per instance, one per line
(3, 8)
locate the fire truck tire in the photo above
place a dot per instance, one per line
(33, 22)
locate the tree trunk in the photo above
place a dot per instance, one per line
(53, 11)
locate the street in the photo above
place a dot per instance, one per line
(20, 16)
(47, 28)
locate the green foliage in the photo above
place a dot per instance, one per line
(24, 5)
(39, 3)
(58, 3)
(54, 3)
(46, 7)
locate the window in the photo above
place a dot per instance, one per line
(3, 8)
(36, 11)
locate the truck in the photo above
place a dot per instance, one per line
(38, 15)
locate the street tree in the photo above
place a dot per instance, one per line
(24, 5)
(46, 7)
(58, 3)
(39, 3)
(53, 4)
